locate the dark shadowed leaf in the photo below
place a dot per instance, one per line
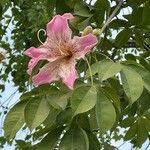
(131, 132)
(49, 142)
(122, 37)
(94, 144)
(146, 18)
(142, 133)
(74, 139)
(81, 9)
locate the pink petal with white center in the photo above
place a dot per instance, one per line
(68, 73)
(58, 28)
(84, 45)
(47, 74)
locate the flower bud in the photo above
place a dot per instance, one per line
(96, 32)
(1, 56)
(87, 30)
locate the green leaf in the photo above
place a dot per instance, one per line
(36, 112)
(100, 6)
(105, 112)
(62, 7)
(107, 69)
(51, 118)
(136, 17)
(142, 133)
(144, 74)
(136, 2)
(83, 99)
(117, 23)
(64, 117)
(14, 120)
(94, 144)
(81, 9)
(127, 122)
(131, 132)
(49, 142)
(111, 94)
(93, 120)
(145, 17)
(58, 99)
(122, 37)
(81, 119)
(94, 69)
(144, 101)
(146, 122)
(74, 139)
(132, 83)
(82, 25)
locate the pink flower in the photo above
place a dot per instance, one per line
(61, 52)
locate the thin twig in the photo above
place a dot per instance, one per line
(90, 71)
(121, 145)
(111, 16)
(147, 146)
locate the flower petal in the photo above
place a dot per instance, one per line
(84, 44)
(35, 52)
(68, 16)
(47, 74)
(32, 63)
(68, 73)
(58, 28)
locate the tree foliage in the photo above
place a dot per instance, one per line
(91, 115)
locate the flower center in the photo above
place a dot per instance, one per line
(65, 50)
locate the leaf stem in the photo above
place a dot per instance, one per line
(90, 71)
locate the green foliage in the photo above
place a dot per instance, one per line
(89, 116)
(14, 120)
(132, 83)
(83, 99)
(74, 139)
(105, 112)
(36, 112)
(122, 37)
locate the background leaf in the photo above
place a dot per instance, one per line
(36, 112)
(105, 112)
(74, 139)
(122, 37)
(83, 99)
(132, 83)
(14, 120)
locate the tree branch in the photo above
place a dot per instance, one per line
(111, 16)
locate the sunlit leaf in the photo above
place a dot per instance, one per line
(36, 112)
(83, 99)
(107, 69)
(132, 83)
(105, 112)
